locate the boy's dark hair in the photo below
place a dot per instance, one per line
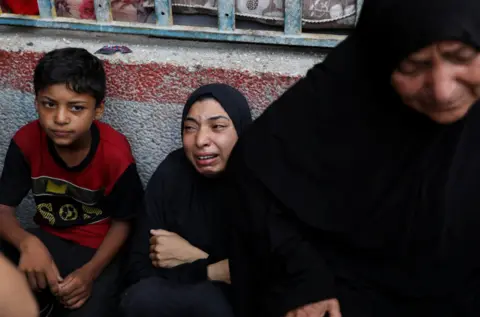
(81, 71)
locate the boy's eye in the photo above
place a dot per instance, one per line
(77, 108)
(48, 104)
(188, 128)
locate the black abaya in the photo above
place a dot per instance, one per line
(344, 192)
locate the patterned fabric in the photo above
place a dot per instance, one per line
(316, 13)
(122, 10)
(27, 7)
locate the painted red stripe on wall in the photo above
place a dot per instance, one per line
(152, 82)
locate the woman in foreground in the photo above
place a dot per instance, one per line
(359, 188)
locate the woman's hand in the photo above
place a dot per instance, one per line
(168, 249)
(319, 309)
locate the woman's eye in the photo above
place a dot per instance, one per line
(219, 126)
(464, 56)
(409, 68)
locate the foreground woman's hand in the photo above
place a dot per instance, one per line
(168, 249)
(16, 298)
(320, 309)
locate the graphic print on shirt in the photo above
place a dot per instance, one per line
(61, 203)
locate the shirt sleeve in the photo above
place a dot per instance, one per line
(15, 182)
(126, 195)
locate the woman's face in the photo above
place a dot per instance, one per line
(208, 137)
(441, 81)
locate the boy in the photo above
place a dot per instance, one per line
(85, 184)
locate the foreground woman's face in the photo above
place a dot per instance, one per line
(441, 81)
(208, 137)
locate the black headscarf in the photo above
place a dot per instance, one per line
(233, 102)
(343, 155)
(180, 200)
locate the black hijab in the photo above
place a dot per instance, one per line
(347, 158)
(233, 102)
(180, 200)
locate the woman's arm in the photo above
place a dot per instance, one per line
(151, 225)
(16, 299)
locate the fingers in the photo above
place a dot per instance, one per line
(53, 278)
(316, 309)
(153, 240)
(67, 286)
(160, 232)
(32, 280)
(77, 301)
(156, 248)
(334, 308)
(78, 304)
(159, 255)
(166, 264)
(324, 308)
(159, 240)
(304, 313)
(41, 280)
(72, 295)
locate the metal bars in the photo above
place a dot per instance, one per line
(226, 31)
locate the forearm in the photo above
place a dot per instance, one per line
(219, 271)
(113, 242)
(10, 229)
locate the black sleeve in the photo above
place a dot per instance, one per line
(153, 216)
(274, 267)
(15, 182)
(126, 195)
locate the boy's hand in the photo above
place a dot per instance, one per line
(38, 265)
(76, 288)
(168, 249)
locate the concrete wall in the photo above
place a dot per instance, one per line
(146, 89)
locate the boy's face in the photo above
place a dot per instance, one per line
(65, 115)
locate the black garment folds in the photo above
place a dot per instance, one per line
(345, 192)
